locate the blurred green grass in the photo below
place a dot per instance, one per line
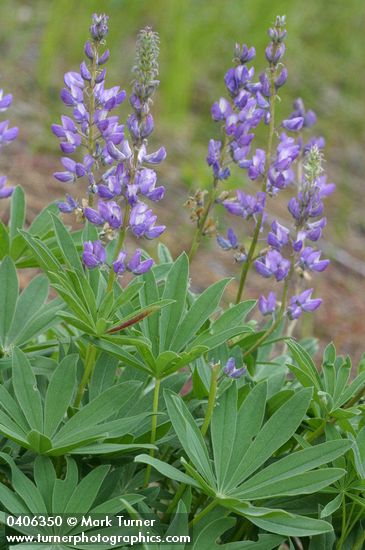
(41, 39)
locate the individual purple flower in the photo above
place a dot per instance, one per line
(138, 266)
(274, 52)
(7, 134)
(119, 265)
(231, 371)
(293, 124)
(68, 134)
(111, 213)
(5, 101)
(309, 117)
(278, 236)
(243, 54)
(273, 264)
(282, 78)
(267, 306)
(142, 222)
(310, 259)
(246, 205)
(257, 166)
(145, 182)
(5, 192)
(152, 158)
(73, 171)
(221, 109)
(214, 160)
(94, 254)
(302, 302)
(229, 243)
(68, 206)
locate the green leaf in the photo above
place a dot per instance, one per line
(17, 212)
(8, 296)
(307, 373)
(39, 442)
(85, 493)
(283, 523)
(59, 394)
(26, 390)
(279, 474)
(149, 295)
(199, 312)
(45, 477)
(4, 241)
(223, 430)
(249, 420)
(97, 411)
(189, 435)
(11, 407)
(166, 469)
(175, 288)
(64, 488)
(25, 488)
(332, 506)
(38, 323)
(274, 433)
(66, 244)
(30, 301)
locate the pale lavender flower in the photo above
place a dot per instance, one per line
(267, 306)
(273, 264)
(302, 302)
(310, 259)
(94, 254)
(231, 242)
(231, 371)
(278, 236)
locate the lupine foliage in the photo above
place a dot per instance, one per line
(133, 392)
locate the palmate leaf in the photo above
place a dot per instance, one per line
(202, 308)
(241, 447)
(47, 429)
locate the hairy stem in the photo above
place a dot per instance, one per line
(118, 248)
(205, 511)
(156, 394)
(88, 369)
(211, 399)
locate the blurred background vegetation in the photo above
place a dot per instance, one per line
(41, 39)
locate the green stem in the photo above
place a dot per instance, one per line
(208, 416)
(211, 399)
(118, 248)
(247, 264)
(156, 394)
(343, 528)
(211, 200)
(89, 366)
(205, 511)
(277, 322)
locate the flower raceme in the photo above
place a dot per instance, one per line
(7, 135)
(115, 162)
(294, 162)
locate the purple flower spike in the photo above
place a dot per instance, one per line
(302, 302)
(138, 267)
(267, 306)
(231, 371)
(94, 254)
(310, 259)
(5, 192)
(273, 264)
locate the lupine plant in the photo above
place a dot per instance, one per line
(123, 390)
